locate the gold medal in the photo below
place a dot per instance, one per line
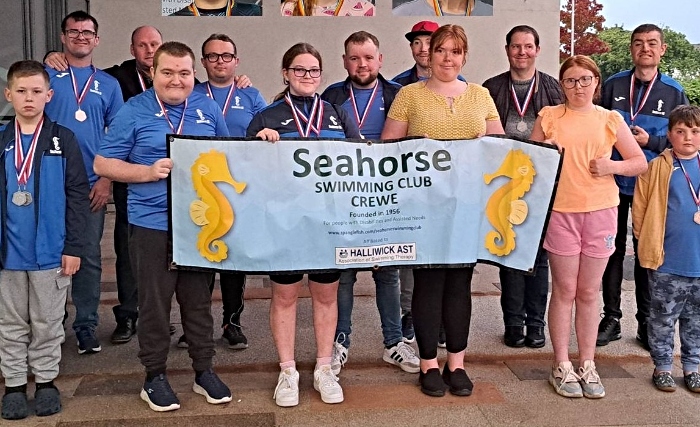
(80, 115)
(696, 217)
(521, 126)
(19, 198)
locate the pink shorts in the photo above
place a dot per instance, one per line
(588, 233)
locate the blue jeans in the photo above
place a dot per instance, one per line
(388, 304)
(86, 282)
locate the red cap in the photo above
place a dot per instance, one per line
(423, 28)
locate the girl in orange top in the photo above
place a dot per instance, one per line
(581, 232)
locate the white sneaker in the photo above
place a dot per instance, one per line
(403, 356)
(287, 390)
(339, 357)
(590, 381)
(326, 383)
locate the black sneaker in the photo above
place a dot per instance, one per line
(457, 381)
(234, 335)
(159, 395)
(87, 341)
(409, 335)
(535, 337)
(431, 383)
(126, 328)
(442, 338)
(209, 385)
(642, 336)
(14, 406)
(48, 401)
(514, 336)
(608, 330)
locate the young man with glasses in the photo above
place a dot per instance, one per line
(239, 105)
(86, 101)
(645, 98)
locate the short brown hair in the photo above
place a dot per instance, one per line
(688, 115)
(587, 63)
(176, 49)
(221, 38)
(361, 37)
(26, 68)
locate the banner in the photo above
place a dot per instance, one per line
(314, 205)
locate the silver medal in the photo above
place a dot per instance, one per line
(27, 198)
(696, 217)
(19, 198)
(521, 126)
(80, 115)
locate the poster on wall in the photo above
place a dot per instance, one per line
(211, 7)
(442, 7)
(300, 205)
(328, 7)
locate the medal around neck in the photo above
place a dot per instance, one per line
(27, 198)
(521, 126)
(19, 198)
(696, 217)
(80, 115)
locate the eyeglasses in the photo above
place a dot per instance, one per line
(87, 34)
(301, 72)
(214, 57)
(584, 81)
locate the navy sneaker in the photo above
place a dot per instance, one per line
(159, 395)
(409, 335)
(87, 341)
(209, 385)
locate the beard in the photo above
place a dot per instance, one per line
(364, 81)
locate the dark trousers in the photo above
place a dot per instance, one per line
(157, 284)
(232, 286)
(612, 277)
(441, 295)
(127, 291)
(524, 297)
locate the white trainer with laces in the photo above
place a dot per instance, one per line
(591, 385)
(326, 383)
(403, 356)
(565, 381)
(287, 390)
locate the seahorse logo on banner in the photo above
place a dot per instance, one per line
(505, 207)
(212, 211)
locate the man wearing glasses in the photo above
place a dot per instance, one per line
(86, 100)
(239, 105)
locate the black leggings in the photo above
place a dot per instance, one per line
(441, 295)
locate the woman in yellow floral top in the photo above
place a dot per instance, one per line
(443, 107)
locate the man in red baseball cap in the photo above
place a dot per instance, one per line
(419, 38)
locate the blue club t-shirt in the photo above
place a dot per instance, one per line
(244, 104)
(374, 121)
(137, 135)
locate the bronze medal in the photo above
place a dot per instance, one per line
(696, 217)
(27, 198)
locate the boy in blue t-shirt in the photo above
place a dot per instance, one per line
(44, 206)
(666, 220)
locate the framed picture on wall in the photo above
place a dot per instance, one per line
(211, 7)
(327, 7)
(442, 7)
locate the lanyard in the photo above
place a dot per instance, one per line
(228, 97)
(302, 7)
(177, 131)
(361, 121)
(141, 82)
(299, 117)
(80, 97)
(438, 8)
(696, 196)
(229, 7)
(642, 99)
(522, 109)
(23, 164)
